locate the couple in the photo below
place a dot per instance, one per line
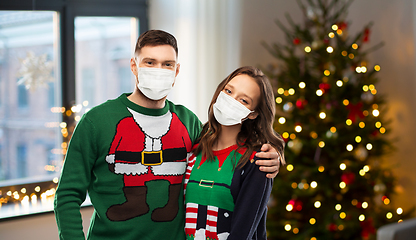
(131, 154)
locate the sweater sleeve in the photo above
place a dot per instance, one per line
(250, 208)
(74, 181)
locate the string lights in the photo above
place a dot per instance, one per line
(31, 194)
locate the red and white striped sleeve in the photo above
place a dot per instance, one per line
(190, 164)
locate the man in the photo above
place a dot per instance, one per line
(130, 155)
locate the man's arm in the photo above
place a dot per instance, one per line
(74, 181)
(272, 164)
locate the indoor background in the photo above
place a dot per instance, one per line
(215, 37)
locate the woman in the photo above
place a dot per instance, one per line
(226, 194)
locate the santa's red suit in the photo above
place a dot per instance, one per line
(147, 148)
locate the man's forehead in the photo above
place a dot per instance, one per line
(159, 52)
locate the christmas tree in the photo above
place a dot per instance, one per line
(332, 119)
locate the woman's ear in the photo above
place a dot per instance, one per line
(253, 115)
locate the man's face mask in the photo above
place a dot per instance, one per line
(228, 111)
(155, 83)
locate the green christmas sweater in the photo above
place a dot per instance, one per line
(223, 202)
(131, 160)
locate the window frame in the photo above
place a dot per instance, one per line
(68, 10)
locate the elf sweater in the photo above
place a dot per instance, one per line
(223, 202)
(129, 159)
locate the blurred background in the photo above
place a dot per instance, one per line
(60, 58)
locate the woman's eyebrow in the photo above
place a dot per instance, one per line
(232, 87)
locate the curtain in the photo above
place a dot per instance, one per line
(208, 34)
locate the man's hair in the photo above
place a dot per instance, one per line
(155, 38)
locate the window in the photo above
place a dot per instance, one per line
(126, 81)
(51, 95)
(103, 45)
(2, 170)
(28, 123)
(51, 66)
(20, 169)
(86, 86)
(26, 39)
(22, 101)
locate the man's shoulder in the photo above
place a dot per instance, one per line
(181, 110)
(108, 108)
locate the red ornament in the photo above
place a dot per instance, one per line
(355, 110)
(324, 87)
(300, 103)
(332, 227)
(366, 35)
(342, 25)
(348, 178)
(296, 41)
(296, 204)
(367, 228)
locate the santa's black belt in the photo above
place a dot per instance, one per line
(208, 183)
(152, 158)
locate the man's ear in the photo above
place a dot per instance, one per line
(177, 69)
(176, 73)
(133, 66)
(253, 115)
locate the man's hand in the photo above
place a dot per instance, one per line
(272, 165)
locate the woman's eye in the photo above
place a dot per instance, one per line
(227, 91)
(244, 101)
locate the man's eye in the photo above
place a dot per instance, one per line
(149, 62)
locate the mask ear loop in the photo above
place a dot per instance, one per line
(242, 120)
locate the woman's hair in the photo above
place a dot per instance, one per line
(254, 132)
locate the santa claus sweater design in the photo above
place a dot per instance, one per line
(131, 161)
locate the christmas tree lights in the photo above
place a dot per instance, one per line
(333, 120)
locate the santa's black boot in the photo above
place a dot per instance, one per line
(170, 210)
(134, 206)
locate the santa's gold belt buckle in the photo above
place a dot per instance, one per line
(206, 183)
(152, 158)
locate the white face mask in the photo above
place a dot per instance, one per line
(229, 111)
(155, 83)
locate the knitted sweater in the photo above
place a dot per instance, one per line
(131, 160)
(223, 202)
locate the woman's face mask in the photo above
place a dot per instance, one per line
(228, 111)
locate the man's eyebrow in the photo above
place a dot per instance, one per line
(153, 59)
(147, 59)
